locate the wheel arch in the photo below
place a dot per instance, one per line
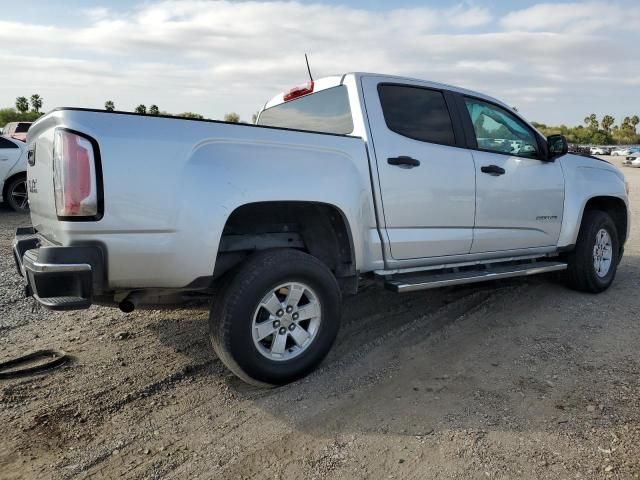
(318, 228)
(614, 207)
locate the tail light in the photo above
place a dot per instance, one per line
(299, 91)
(74, 175)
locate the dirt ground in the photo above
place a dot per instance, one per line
(518, 379)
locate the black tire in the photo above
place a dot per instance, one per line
(14, 192)
(231, 317)
(581, 274)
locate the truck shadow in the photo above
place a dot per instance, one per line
(372, 314)
(472, 357)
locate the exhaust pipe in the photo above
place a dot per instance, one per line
(130, 303)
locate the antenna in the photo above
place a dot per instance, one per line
(308, 68)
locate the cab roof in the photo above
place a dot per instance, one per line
(335, 80)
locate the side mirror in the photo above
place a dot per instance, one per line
(557, 146)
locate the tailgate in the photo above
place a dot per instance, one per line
(40, 175)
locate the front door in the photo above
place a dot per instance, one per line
(427, 181)
(519, 195)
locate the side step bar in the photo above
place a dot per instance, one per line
(425, 280)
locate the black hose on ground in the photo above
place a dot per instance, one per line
(23, 366)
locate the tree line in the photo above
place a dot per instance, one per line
(233, 117)
(25, 110)
(596, 131)
(29, 110)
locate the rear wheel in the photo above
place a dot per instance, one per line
(16, 194)
(593, 263)
(277, 317)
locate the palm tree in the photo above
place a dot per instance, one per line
(591, 121)
(109, 106)
(36, 102)
(154, 110)
(141, 109)
(607, 122)
(22, 104)
(634, 122)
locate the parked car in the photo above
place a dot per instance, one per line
(621, 151)
(583, 149)
(599, 151)
(17, 130)
(13, 174)
(279, 220)
(633, 158)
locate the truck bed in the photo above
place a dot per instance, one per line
(168, 184)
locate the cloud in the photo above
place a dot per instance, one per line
(97, 13)
(219, 56)
(466, 17)
(574, 17)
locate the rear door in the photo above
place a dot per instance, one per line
(519, 195)
(427, 180)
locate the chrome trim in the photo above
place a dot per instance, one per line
(402, 287)
(396, 271)
(38, 267)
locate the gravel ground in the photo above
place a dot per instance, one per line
(517, 379)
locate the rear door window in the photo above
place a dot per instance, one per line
(417, 113)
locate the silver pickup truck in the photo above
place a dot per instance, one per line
(415, 183)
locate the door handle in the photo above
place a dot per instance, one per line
(403, 161)
(4, 159)
(493, 170)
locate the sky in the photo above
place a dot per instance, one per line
(556, 62)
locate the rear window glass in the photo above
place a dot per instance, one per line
(325, 111)
(22, 127)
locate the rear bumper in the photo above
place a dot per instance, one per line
(59, 278)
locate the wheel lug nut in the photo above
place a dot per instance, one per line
(289, 309)
(276, 324)
(280, 313)
(292, 326)
(295, 316)
(282, 331)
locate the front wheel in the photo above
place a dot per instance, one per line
(593, 263)
(277, 317)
